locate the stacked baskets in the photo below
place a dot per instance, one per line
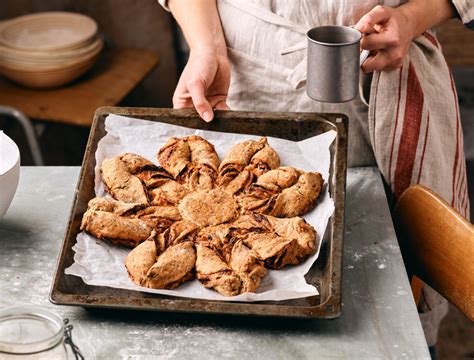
(48, 49)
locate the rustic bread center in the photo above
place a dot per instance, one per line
(208, 207)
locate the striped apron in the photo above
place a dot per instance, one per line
(411, 128)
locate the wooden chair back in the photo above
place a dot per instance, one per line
(438, 246)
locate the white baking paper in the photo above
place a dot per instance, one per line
(101, 263)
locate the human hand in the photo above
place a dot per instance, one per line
(389, 32)
(204, 84)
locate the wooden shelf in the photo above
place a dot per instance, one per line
(115, 74)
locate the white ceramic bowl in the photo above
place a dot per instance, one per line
(9, 171)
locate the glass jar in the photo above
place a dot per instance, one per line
(31, 332)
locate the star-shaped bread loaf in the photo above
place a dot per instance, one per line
(223, 223)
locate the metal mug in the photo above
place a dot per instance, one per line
(334, 60)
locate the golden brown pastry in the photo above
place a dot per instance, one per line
(261, 195)
(205, 163)
(154, 179)
(202, 152)
(245, 162)
(214, 273)
(250, 223)
(114, 206)
(284, 192)
(223, 237)
(173, 267)
(265, 160)
(240, 154)
(141, 259)
(240, 182)
(248, 266)
(162, 217)
(175, 156)
(237, 158)
(277, 242)
(251, 203)
(169, 193)
(150, 174)
(180, 231)
(209, 207)
(278, 179)
(136, 163)
(191, 160)
(117, 229)
(121, 184)
(299, 198)
(159, 212)
(218, 238)
(296, 228)
(199, 178)
(230, 221)
(274, 250)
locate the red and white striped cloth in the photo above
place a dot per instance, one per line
(416, 135)
(415, 126)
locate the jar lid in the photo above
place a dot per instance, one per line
(28, 329)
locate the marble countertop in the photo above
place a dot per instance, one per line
(379, 318)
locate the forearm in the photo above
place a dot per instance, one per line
(200, 22)
(425, 14)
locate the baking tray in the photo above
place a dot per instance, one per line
(326, 271)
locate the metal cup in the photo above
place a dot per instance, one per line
(334, 60)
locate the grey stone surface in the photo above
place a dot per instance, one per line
(379, 318)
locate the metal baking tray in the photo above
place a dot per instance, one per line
(326, 271)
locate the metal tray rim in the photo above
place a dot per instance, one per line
(329, 309)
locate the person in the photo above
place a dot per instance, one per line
(250, 55)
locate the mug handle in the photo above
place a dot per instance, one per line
(364, 53)
(363, 56)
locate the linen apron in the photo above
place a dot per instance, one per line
(411, 128)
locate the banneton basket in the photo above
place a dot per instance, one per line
(48, 31)
(48, 49)
(325, 273)
(42, 58)
(49, 76)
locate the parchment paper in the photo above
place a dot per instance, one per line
(101, 263)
